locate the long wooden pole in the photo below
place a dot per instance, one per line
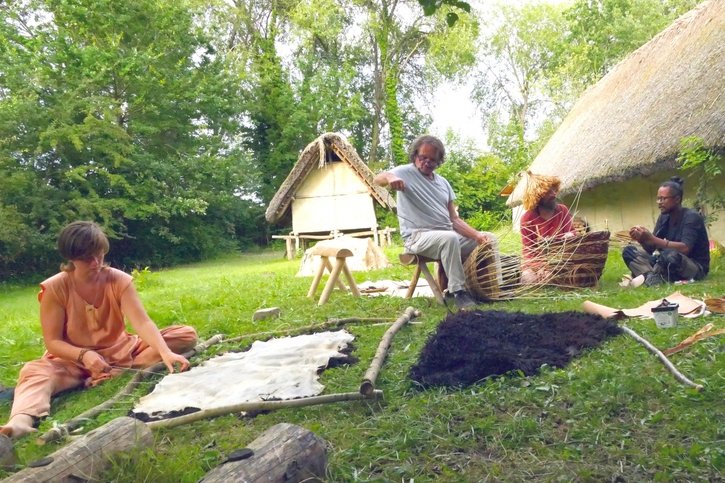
(663, 358)
(61, 430)
(368, 383)
(263, 406)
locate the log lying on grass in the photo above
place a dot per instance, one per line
(87, 457)
(7, 453)
(284, 452)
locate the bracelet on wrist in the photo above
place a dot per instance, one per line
(80, 355)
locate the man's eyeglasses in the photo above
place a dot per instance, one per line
(660, 199)
(423, 159)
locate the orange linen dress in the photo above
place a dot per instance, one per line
(99, 328)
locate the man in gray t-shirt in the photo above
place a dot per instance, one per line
(429, 222)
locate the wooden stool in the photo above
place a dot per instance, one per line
(339, 254)
(420, 263)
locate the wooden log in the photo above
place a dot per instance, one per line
(86, 458)
(368, 383)
(663, 359)
(7, 452)
(284, 453)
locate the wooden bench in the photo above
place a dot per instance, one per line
(421, 265)
(340, 255)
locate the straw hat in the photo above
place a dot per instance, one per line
(537, 185)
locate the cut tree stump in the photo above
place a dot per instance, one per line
(86, 458)
(284, 453)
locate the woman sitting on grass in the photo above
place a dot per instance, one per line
(82, 311)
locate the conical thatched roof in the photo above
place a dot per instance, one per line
(314, 156)
(630, 123)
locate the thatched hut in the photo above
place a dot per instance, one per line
(621, 139)
(330, 190)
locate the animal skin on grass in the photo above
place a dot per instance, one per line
(471, 345)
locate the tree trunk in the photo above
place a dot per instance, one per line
(284, 453)
(86, 458)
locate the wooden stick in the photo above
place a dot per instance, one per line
(262, 406)
(670, 367)
(368, 383)
(62, 430)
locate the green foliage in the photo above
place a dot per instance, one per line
(603, 32)
(706, 167)
(431, 6)
(518, 57)
(477, 181)
(107, 116)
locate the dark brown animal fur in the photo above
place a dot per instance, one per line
(472, 345)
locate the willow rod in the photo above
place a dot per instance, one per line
(663, 358)
(262, 406)
(368, 383)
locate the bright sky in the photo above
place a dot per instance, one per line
(452, 105)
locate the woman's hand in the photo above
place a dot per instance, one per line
(171, 359)
(95, 363)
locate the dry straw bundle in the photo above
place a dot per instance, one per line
(537, 185)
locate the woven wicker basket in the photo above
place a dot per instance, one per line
(576, 261)
(481, 276)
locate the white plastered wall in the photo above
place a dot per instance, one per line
(332, 198)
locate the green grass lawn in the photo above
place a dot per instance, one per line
(612, 413)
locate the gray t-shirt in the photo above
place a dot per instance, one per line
(423, 205)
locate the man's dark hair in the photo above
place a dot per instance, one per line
(427, 139)
(674, 184)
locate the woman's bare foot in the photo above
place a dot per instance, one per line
(18, 426)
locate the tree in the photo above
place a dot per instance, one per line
(106, 115)
(477, 180)
(517, 58)
(401, 44)
(603, 32)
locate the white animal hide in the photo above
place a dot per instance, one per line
(283, 368)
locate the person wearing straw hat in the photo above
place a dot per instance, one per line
(429, 221)
(677, 248)
(82, 315)
(544, 219)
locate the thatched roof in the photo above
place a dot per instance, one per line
(314, 156)
(630, 122)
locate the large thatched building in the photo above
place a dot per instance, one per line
(330, 190)
(621, 139)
